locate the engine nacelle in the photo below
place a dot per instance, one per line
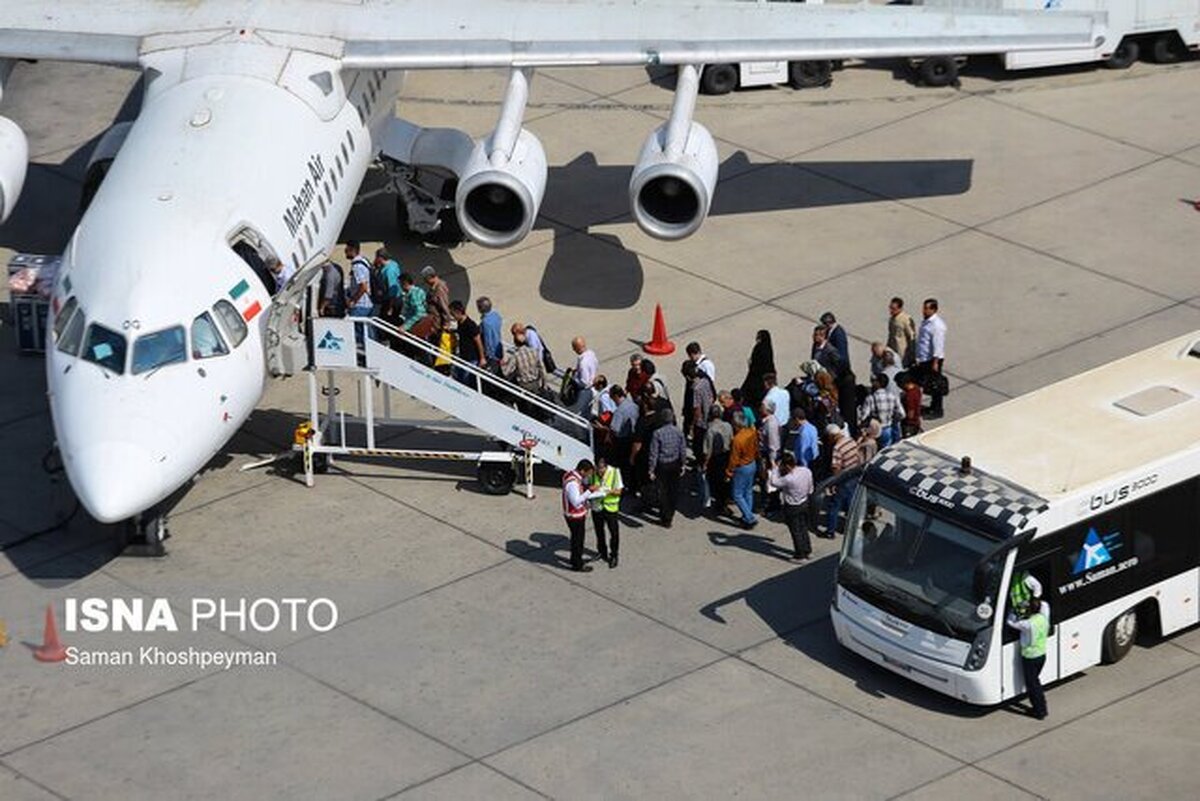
(14, 161)
(498, 198)
(671, 192)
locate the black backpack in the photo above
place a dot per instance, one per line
(547, 357)
(379, 287)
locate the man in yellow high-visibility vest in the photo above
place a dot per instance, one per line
(606, 487)
(1032, 620)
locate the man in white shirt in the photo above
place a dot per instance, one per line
(931, 355)
(586, 363)
(358, 299)
(703, 363)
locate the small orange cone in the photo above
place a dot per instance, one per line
(51, 649)
(659, 345)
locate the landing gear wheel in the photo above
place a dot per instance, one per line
(1168, 49)
(939, 71)
(497, 478)
(145, 534)
(1124, 56)
(719, 79)
(1119, 636)
(810, 74)
(320, 462)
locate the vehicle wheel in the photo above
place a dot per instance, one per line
(320, 462)
(719, 79)
(939, 71)
(1124, 56)
(496, 478)
(1168, 49)
(810, 74)
(1119, 636)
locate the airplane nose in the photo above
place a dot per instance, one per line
(115, 480)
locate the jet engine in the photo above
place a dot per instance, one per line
(14, 159)
(673, 181)
(500, 189)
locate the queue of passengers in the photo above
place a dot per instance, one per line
(767, 444)
(762, 446)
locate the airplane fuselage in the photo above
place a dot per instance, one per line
(246, 143)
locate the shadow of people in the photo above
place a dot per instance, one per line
(542, 549)
(754, 543)
(795, 605)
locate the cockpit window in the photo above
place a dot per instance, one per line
(158, 349)
(235, 326)
(64, 316)
(72, 332)
(206, 338)
(105, 347)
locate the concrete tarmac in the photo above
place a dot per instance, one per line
(1046, 214)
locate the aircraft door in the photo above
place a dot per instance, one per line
(289, 321)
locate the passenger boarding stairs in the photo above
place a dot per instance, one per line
(536, 429)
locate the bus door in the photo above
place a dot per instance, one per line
(1012, 679)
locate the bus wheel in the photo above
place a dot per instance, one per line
(1168, 48)
(719, 79)
(939, 71)
(810, 74)
(496, 478)
(1124, 56)
(1119, 636)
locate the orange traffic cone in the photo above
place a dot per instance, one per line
(659, 345)
(51, 649)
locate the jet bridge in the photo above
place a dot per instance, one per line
(525, 428)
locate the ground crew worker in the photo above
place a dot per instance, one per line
(606, 510)
(1022, 592)
(575, 499)
(1034, 625)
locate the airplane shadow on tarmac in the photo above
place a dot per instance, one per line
(795, 604)
(597, 271)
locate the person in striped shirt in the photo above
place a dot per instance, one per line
(885, 407)
(845, 456)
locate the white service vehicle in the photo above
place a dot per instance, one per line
(1164, 31)
(1091, 485)
(721, 79)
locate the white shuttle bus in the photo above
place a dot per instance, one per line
(1092, 485)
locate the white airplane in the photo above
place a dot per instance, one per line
(258, 124)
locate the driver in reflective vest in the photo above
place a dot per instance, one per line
(1024, 589)
(1031, 617)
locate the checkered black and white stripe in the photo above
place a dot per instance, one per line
(936, 475)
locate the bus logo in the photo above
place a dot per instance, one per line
(1093, 554)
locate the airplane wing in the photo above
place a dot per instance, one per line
(432, 34)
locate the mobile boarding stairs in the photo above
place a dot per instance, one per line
(527, 428)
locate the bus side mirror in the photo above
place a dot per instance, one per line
(985, 578)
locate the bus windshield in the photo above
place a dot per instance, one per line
(916, 566)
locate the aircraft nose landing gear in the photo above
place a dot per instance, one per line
(145, 535)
